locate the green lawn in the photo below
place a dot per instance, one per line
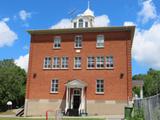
(49, 119)
(8, 112)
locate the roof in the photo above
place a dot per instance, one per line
(76, 84)
(83, 30)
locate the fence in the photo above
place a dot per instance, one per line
(150, 106)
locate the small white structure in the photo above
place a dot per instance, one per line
(9, 104)
(138, 83)
(84, 20)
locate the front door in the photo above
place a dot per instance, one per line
(76, 101)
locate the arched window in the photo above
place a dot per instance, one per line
(80, 23)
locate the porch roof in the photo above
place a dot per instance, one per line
(76, 84)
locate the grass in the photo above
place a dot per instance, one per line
(52, 119)
(11, 112)
(8, 112)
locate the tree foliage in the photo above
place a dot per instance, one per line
(151, 82)
(12, 84)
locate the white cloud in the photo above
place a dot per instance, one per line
(22, 62)
(129, 23)
(6, 19)
(64, 23)
(100, 21)
(24, 15)
(146, 46)
(25, 47)
(7, 36)
(148, 11)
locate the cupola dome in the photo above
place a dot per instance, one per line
(88, 12)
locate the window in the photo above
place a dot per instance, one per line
(54, 86)
(100, 86)
(80, 23)
(47, 62)
(57, 42)
(77, 62)
(56, 62)
(75, 25)
(100, 62)
(109, 62)
(78, 41)
(86, 24)
(64, 63)
(100, 41)
(90, 61)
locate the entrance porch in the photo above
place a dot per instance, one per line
(75, 98)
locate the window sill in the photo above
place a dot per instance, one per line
(55, 68)
(77, 47)
(99, 47)
(99, 93)
(53, 92)
(91, 68)
(109, 68)
(104, 68)
(100, 68)
(56, 48)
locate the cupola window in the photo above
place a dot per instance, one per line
(86, 24)
(75, 25)
(80, 23)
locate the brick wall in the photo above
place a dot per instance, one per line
(117, 44)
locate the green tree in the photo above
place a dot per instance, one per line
(151, 82)
(12, 84)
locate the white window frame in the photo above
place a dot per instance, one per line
(100, 41)
(57, 42)
(64, 62)
(54, 86)
(77, 62)
(80, 23)
(75, 25)
(109, 62)
(100, 62)
(100, 86)
(78, 41)
(47, 63)
(86, 24)
(56, 62)
(90, 62)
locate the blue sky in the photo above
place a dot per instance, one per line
(17, 16)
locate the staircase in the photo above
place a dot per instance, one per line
(20, 112)
(72, 112)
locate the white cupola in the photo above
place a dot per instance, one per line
(85, 19)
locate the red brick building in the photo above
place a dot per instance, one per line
(83, 69)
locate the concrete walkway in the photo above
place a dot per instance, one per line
(8, 116)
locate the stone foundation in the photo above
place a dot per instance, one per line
(99, 107)
(93, 107)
